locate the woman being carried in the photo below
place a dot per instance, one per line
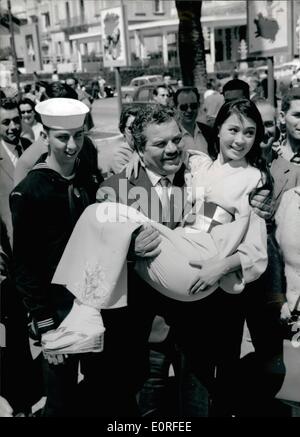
(93, 268)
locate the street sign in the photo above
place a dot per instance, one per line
(269, 27)
(114, 31)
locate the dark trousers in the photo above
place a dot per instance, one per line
(108, 387)
(262, 373)
(159, 396)
(21, 380)
(210, 336)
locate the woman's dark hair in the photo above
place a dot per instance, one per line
(244, 108)
(27, 101)
(125, 114)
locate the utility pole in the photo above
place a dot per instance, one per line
(13, 47)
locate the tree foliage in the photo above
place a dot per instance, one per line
(191, 44)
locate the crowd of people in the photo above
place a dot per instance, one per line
(150, 264)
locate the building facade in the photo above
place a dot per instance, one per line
(70, 32)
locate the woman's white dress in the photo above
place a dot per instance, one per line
(94, 264)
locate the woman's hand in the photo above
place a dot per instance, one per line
(133, 166)
(285, 312)
(210, 272)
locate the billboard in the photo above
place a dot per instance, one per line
(114, 37)
(269, 27)
(296, 26)
(30, 43)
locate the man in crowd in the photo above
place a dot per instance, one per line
(290, 119)
(236, 89)
(11, 148)
(154, 125)
(158, 140)
(285, 174)
(39, 147)
(115, 153)
(212, 104)
(45, 206)
(161, 95)
(83, 97)
(196, 135)
(263, 299)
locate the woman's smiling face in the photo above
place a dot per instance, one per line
(236, 137)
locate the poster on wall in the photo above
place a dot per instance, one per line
(269, 27)
(114, 37)
(296, 30)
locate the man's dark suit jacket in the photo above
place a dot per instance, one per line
(7, 184)
(207, 132)
(144, 303)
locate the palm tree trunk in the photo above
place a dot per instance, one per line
(191, 44)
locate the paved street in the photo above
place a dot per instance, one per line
(105, 116)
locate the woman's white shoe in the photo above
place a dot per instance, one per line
(82, 331)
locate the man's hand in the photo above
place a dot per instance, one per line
(147, 242)
(263, 204)
(210, 272)
(55, 359)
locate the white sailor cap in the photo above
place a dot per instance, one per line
(62, 113)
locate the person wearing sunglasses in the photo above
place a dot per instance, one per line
(26, 107)
(196, 135)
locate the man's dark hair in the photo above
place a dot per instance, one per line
(149, 114)
(292, 94)
(125, 114)
(186, 89)
(58, 89)
(155, 90)
(237, 84)
(9, 104)
(27, 88)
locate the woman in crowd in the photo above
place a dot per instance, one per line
(26, 107)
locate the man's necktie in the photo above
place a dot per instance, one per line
(19, 150)
(165, 201)
(296, 158)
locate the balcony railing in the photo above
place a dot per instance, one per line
(74, 25)
(46, 35)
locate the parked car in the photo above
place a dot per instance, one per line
(144, 93)
(128, 91)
